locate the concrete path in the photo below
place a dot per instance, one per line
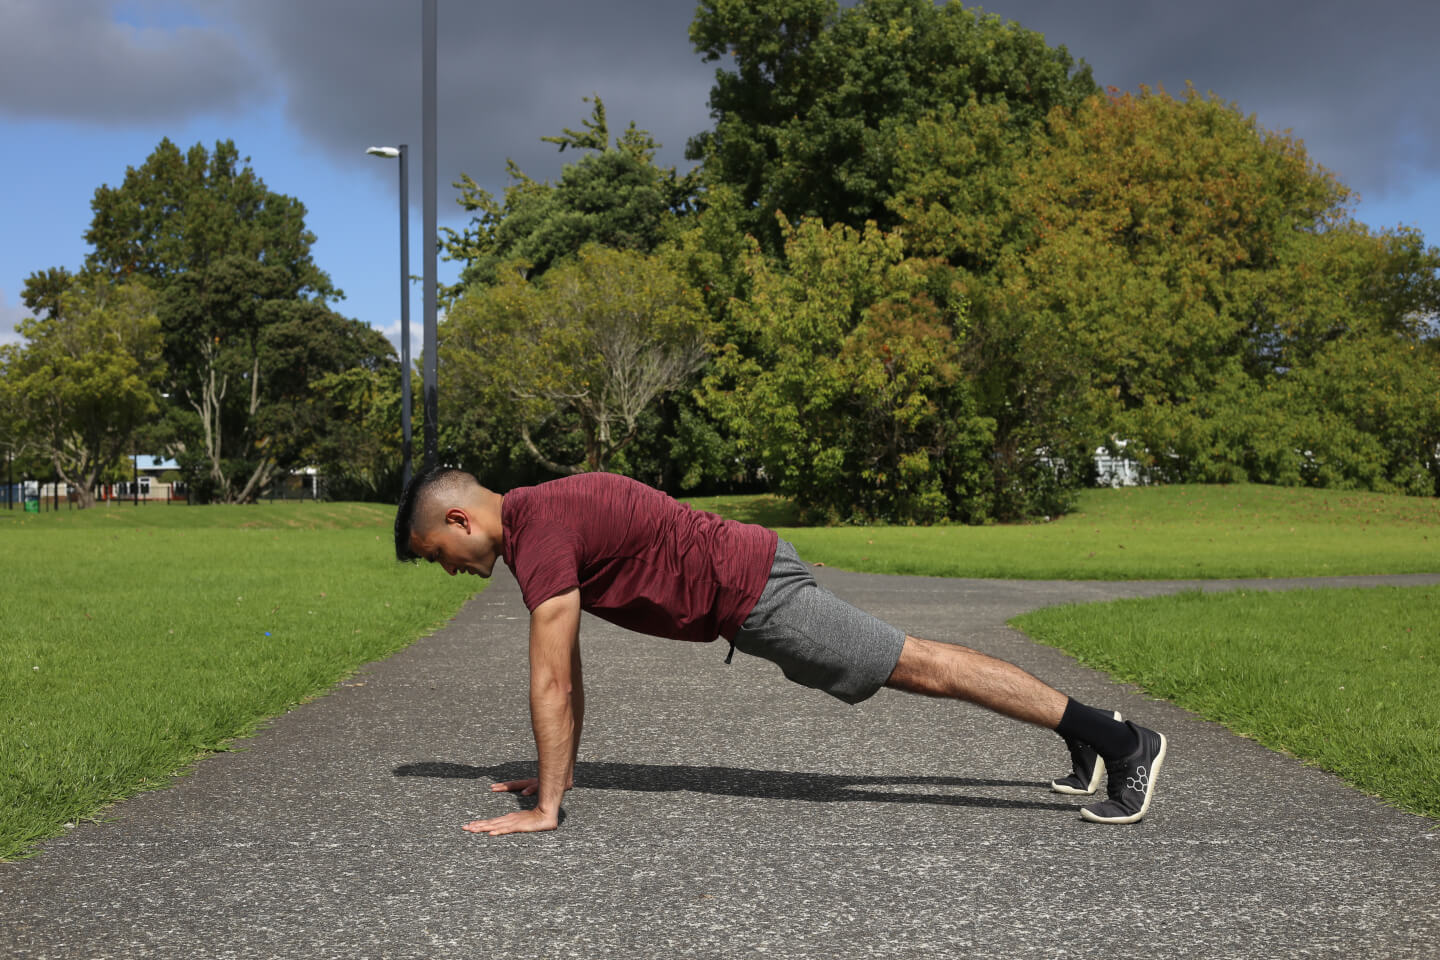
(721, 812)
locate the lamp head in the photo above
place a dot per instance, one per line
(390, 152)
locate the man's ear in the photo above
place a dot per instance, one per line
(458, 517)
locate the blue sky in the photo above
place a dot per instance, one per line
(88, 87)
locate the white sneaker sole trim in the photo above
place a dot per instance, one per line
(1149, 794)
(1095, 776)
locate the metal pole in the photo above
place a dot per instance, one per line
(431, 238)
(405, 433)
(135, 482)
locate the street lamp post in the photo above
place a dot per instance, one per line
(405, 446)
(432, 234)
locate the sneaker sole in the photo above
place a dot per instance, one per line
(1149, 794)
(1070, 791)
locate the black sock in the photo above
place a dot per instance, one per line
(1099, 728)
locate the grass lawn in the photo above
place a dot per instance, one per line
(136, 639)
(1344, 679)
(1141, 533)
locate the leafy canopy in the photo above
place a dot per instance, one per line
(851, 391)
(614, 196)
(86, 380)
(574, 359)
(809, 119)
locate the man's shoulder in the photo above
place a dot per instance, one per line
(584, 489)
(572, 501)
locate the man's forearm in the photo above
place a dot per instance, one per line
(577, 708)
(555, 722)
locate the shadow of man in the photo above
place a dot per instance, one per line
(759, 784)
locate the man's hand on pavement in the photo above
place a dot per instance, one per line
(521, 821)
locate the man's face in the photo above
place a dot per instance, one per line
(459, 544)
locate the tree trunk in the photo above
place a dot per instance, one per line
(79, 480)
(543, 460)
(208, 407)
(257, 481)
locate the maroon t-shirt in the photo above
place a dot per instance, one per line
(641, 560)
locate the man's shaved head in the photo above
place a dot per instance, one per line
(425, 501)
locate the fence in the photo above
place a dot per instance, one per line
(37, 495)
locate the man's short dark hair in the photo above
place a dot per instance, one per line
(422, 487)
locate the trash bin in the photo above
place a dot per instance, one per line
(32, 506)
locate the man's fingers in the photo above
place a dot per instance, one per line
(525, 821)
(479, 826)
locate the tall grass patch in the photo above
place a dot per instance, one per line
(1344, 679)
(135, 640)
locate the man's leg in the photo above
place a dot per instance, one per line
(959, 673)
(1132, 754)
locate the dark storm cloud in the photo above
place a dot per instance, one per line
(509, 74)
(70, 60)
(1356, 81)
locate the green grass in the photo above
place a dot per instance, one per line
(1343, 679)
(1175, 532)
(766, 509)
(133, 639)
(136, 639)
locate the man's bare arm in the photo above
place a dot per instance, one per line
(557, 701)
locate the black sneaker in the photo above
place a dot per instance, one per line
(1132, 781)
(1086, 769)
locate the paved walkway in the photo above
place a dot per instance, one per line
(724, 813)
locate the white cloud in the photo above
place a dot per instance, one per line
(417, 333)
(10, 316)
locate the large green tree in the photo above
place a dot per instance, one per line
(238, 288)
(851, 391)
(86, 380)
(813, 100)
(1167, 272)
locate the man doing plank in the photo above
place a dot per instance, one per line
(633, 556)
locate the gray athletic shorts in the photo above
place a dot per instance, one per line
(817, 639)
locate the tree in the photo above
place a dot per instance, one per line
(176, 214)
(615, 196)
(230, 259)
(1165, 271)
(44, 290)
(850, 390)
(809, 120)
(576, 358)
(86, 379)
(359, 450)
